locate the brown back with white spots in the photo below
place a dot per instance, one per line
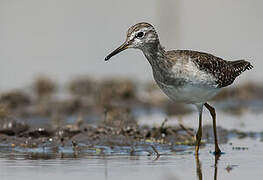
(224, 71)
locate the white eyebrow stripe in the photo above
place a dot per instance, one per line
(145, 29)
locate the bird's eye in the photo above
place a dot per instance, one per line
(140, 34)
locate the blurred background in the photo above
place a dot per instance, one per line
(67, 38)
(59, 98)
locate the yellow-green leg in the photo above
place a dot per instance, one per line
(213, 114)
(199, 131)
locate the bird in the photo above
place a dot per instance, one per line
(185, 76)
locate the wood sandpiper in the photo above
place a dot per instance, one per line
(185, 76)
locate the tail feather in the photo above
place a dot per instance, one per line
(241, 66)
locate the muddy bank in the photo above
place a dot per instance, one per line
(85, 95)
(128, 139)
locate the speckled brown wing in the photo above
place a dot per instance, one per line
(224, 71)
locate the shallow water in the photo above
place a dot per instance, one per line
(242, 160)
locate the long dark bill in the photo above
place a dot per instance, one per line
(118, 50)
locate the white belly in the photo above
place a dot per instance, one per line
(189, 94)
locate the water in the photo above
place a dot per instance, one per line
(234, 164)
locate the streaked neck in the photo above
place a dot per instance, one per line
(154, 52)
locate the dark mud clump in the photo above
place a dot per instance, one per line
(15, 99)
(44, 87)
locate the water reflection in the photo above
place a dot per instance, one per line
(215, 166)
(199, 167)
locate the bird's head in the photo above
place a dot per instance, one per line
(139, 36)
